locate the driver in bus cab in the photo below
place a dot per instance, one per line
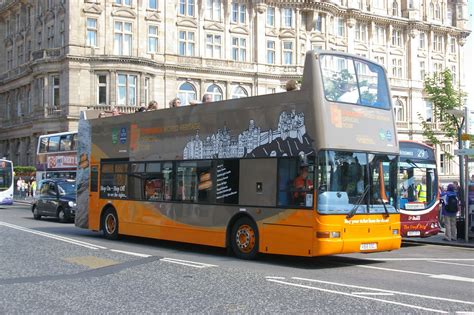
(301, 185)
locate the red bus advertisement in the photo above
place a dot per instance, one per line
(419, 195)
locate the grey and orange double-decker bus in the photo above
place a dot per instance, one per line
(308, 172)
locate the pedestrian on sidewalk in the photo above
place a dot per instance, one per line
(450, 210)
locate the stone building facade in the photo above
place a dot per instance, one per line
(63, 56)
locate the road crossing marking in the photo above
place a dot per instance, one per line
(373, 293)
(357, 296)
(53, 236)
(278, 278)
(187, 263)
(437, 298)
(450, 263)
(130, 253)
(444, 277)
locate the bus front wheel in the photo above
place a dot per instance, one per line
(244, 238)
(110, 224)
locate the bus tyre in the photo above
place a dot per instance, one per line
(244, 238)
(36, 215)
(110, 224)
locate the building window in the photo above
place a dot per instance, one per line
(55, 92)
(124, 2)
(239, 92)
(422, 70)
(50, 39)
(91, 32)
(153, 4)
(271, 52)
(214, 46)
(127, 90)
(147, 90)
(287, 53)
(397, 67)
(123, 38)
(399, 108)
(438, 43)
(395, 8)
(152, 39)
(453, 45)
(186, 7)
(438, 67)
(454, 74)
(239, 49)
(379, 4)
(213, 10)
(10, 59)
(443, 158)
(186, 43)
(304, 20)
(422, 40)
(397, 38)
(270, 16)
(215, 92)
(432, 13)
(361, 32)
(340, 27)
(186, 93)
(318, 26)
(380, 35)
(239, 12)
(380, 60)
(437, 12)
(287, 17)
(429, 111)
(102, 89)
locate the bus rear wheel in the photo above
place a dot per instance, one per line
(244, 238)
(110, 224)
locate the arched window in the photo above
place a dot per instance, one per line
(399, 109)
(239, 92)
(215, 91)
(437, 11)
(395, 8)
(432, 10)
(186, 93)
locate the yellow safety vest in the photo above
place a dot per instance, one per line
(421, 189)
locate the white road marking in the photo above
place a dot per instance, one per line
(450, 263)
(130, 253)
(187, 263)
(444, 277)
(358, 296)
(278, 278)
(373, 293)
(53, 236)
(437, 298)
(420, 259)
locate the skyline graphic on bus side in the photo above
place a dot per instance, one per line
(289, 139)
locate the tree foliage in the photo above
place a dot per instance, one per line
(24, 170)
(444, 96)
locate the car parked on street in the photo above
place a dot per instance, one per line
(55, 198)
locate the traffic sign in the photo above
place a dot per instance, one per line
(464, 152)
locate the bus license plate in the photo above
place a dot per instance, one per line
(368, 246)
(413, 233)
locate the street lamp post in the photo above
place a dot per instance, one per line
(463, 169)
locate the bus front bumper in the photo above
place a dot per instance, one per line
(6, 201)
(356, 245)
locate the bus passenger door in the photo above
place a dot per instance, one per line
(94, 197)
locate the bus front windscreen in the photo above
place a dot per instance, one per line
(354, 81)
(356, 182)
(418, 184)
(5, 175)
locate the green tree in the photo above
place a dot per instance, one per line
(444, 96)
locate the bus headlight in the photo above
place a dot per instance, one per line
(395, 231)
(328, 234)
(71, 204)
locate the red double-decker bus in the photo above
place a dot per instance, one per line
(419, 193)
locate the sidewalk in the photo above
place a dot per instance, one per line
(24, 200)
(438, 240)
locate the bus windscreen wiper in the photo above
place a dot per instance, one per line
(357, 204)
(385, 207)
(413, 164)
